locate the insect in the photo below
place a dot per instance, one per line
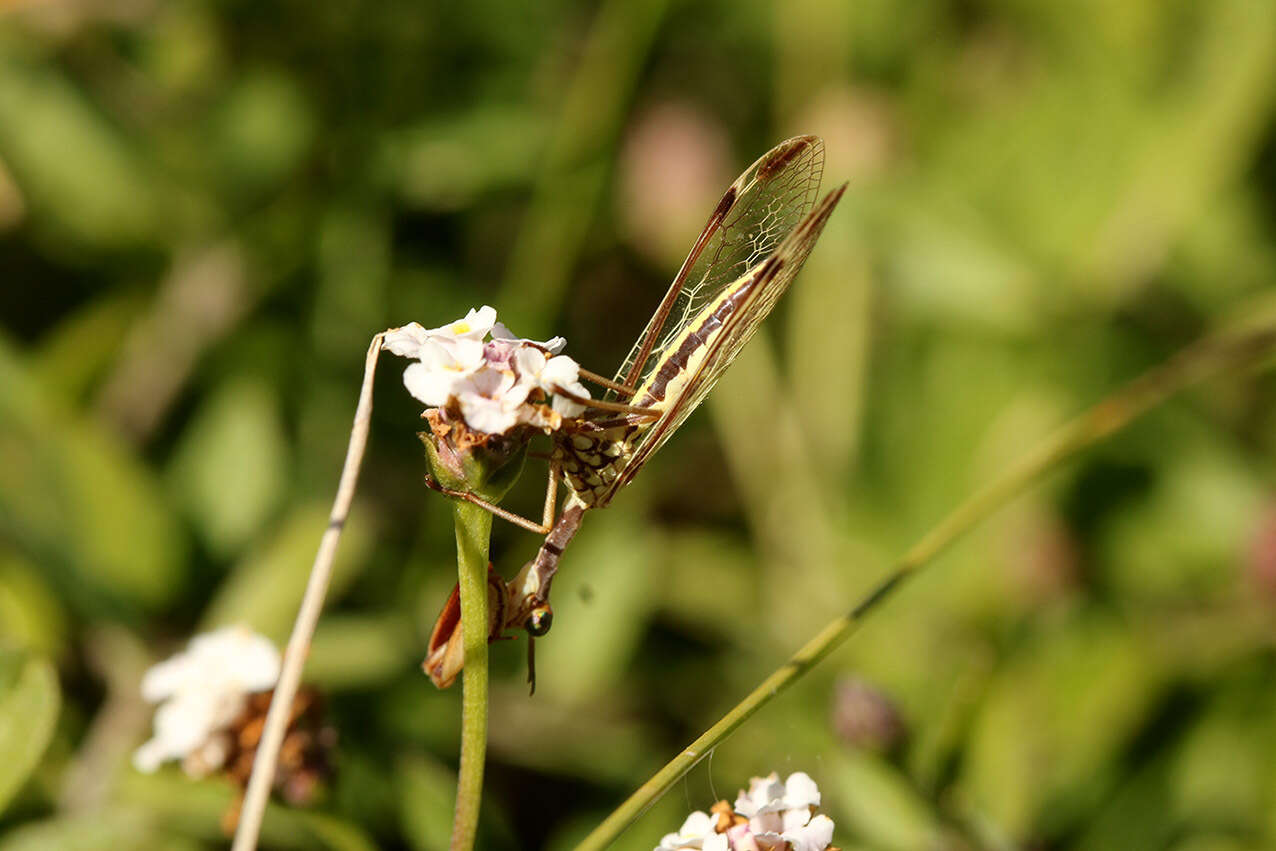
(751, 249)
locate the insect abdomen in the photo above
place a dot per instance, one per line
(591, 462)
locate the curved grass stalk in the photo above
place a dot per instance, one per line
(263, 775)
(1227, 350)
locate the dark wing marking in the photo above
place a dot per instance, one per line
(757, 212)
(735, 319)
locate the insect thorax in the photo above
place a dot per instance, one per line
(592, 458)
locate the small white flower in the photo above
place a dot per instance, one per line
(763, 796)
(696, 832)
(563, 372)
(552, 375)
(814, 836)
(800, 791)
(442, 366)
(489, 380)
(553, 345)
(779, 814)
(491, 401)
(405, 342)
(769, 795)
(529, 363)
(409, 340)
(770, 816)
(475, 325)
(203, 689)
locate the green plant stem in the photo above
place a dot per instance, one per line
(473, 533)
(1205, 358)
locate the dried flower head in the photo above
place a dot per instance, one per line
(768, 816)
(305, 757)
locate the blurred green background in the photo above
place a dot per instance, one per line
(207, 209)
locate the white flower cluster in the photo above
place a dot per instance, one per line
(770, 816)
(203, 690)
(492, 381)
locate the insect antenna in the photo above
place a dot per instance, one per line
(531, 664)
(595, 378)
(614, 407)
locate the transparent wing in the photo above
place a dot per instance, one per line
(757, 212)
(737, 316)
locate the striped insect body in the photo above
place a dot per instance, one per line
(592, 459)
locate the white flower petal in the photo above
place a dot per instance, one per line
(796, 818)
(181, 725)
(553, 345)
(816, 836)
(163, 680)
(566, 407)
(770, 841)
(765, 794)
(767, 822)
(430, 386)
(487, 415)
(716, 842)
(741, 838)
(259, 665)
(560, 370)
(461, 355)
(529, 363)
(697, 826)
(204, 689)
(405, 342)
(800, 791)
(474, 326)
(208, 757)
(149, 757)
(492, 383)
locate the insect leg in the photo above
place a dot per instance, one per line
(594, 377)
(551, 496)
(545, 565)
(541, 528)
(617, 407)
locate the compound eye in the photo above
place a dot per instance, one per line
(539, 621)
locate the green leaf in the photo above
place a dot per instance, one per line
(879, 805)
(265, 589)
(602, 602)
(29, 701)
(262, 129)
(230, 468)
(78, 172)
(109, 831)
(350, 651)
(1044, 748)
(427, 791)
(74, 354)
(195, 808)
(31, 615)
(81, 502)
